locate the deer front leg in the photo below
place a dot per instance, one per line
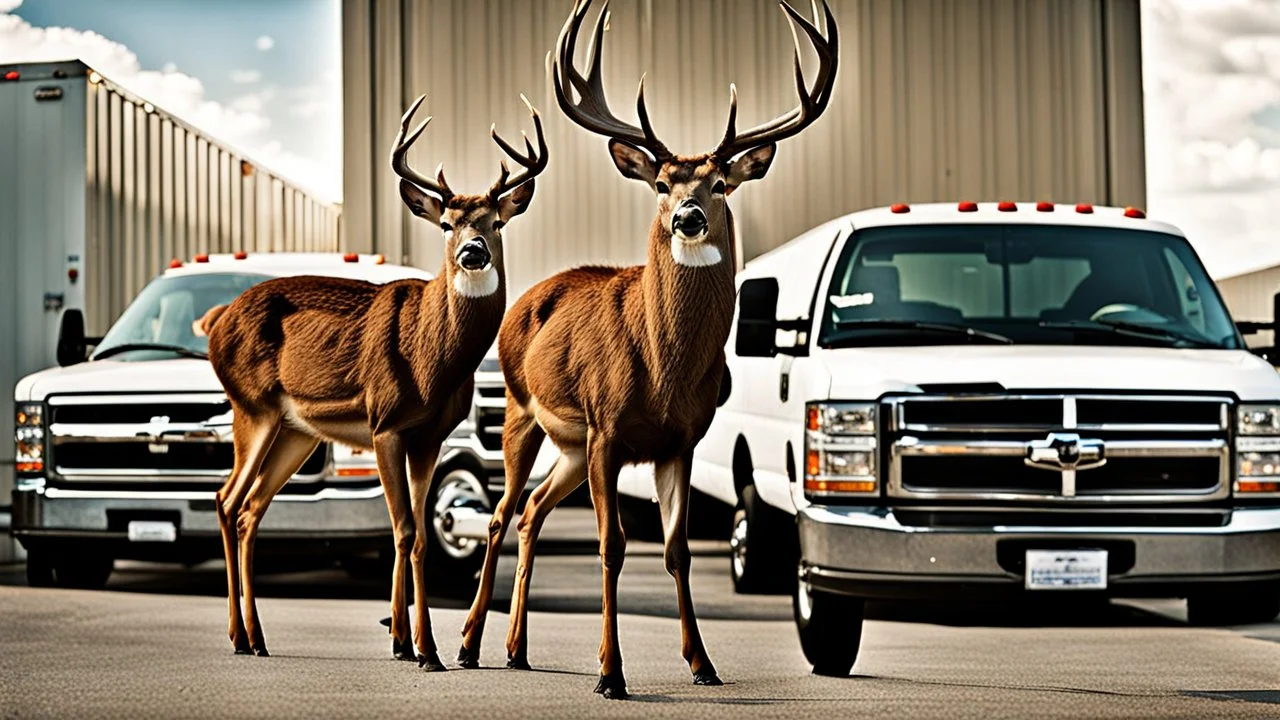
(389, 450)
(422, 465)
(672, 482)
(521, 439)
(603, 479)
(569, 472)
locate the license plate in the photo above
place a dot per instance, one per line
(1066, 569)
(152, 531)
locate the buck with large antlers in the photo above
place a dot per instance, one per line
(387, 367)
(623, 365)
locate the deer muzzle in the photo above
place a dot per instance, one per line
(689, 220)
(474, 255)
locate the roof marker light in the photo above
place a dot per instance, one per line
(900, 208)
(202, 258)
(351, 257)
(1135, 213)
(967, 206)
(12, 75)
(1084, 209)
(174, 264)
(240, 255)
(1044, 206)
(1007, 206)
(379, 259)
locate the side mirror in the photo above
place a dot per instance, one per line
(72, 343)
(757, 318)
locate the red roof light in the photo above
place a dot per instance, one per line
(240, 255)
(175, 264)
(967, 206)
(1135, 213)
(1006, 206)
(1084, 209)
(379, 259)
(351, 257)
(12, 75)
(1043, 206)
(900, 208)
(202, 258)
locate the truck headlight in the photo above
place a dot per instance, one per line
(28, 438)
(840, 450)
(1257, 450)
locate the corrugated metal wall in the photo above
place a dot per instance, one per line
(1249, 297)
(935, 100)
(158, 189)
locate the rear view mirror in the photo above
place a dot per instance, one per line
(757, 318)
(72, 343)
(1269, 353)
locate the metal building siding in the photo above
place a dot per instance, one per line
(935, 100)
(158, 189)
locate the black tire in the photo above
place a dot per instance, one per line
(830, 628)
(1249, 605)
(761, 547)
(72, 567)
(39, 568)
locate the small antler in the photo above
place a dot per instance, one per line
(812, 102)
(592, 111)
(534, 162)
(400, 159)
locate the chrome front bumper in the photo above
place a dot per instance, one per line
(329, 512)
(866, 551)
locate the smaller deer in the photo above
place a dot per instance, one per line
(382, 367)
(623, 365)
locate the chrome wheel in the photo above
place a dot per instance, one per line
(458, 489)
(738, 544)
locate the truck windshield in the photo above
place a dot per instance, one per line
(158, 324)
(1057, 285)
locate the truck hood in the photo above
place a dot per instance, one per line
(867, 373)
(181, 375)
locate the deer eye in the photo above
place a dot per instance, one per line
(662, 188)
(446, 227)
(718, 188)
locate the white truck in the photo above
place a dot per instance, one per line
(120, 456)
(993, 399)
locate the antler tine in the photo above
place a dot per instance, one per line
(400, 155)
(812, 103)
(533, 163)
(591, 110)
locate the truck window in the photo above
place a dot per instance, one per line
(1028, 283)
(163, 313)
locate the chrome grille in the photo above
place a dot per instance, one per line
(1058, 448)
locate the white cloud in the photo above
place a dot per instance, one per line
(246, 77)
(9, 5)
(242, 124)
(265, 42)
(1212, 93)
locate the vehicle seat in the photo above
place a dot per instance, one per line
(1107, 284)
(883, 284)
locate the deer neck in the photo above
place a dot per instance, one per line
(687, 309)
(458, 327)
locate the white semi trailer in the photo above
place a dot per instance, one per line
(99, 190)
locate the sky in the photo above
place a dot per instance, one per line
(265, 76)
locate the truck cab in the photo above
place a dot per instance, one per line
(993, 400)
(121, 450)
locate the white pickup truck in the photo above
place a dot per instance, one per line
(993, 399)
(120, 456)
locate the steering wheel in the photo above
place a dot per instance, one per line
(1135, 313)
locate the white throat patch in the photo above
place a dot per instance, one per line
(693, 252)
(476, 283)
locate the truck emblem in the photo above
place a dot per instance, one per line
(1067, 453)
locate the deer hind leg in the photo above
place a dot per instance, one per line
(672, 481)
(422, 465)
(603, 479)
(521, 439)
(253, 438)
(569, 472)
(289, 451)
(389, 449)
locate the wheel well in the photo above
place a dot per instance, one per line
(741, 466)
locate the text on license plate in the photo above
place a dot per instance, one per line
(1066, 569)
(152, 531)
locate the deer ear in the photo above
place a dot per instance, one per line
(633, 162)
(751, 166)
(515, 202)
(420, 203)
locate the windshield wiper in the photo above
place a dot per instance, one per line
(1116, 327)
(129, 347)
(971, 332)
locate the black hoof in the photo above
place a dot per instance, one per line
(468, 659)
(261, 651)
(518, 663)
(385, 622)
(706, 677)
(404, 651)
(612, 687)
(431, 663)
(244, 651)
(241, 644)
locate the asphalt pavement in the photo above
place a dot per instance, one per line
(154, 645)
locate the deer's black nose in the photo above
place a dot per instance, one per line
(474, 255)
(689, 220)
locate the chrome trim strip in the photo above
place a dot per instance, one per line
(139, 432)
(210, 397)
(1068, 420)
(325, 494)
